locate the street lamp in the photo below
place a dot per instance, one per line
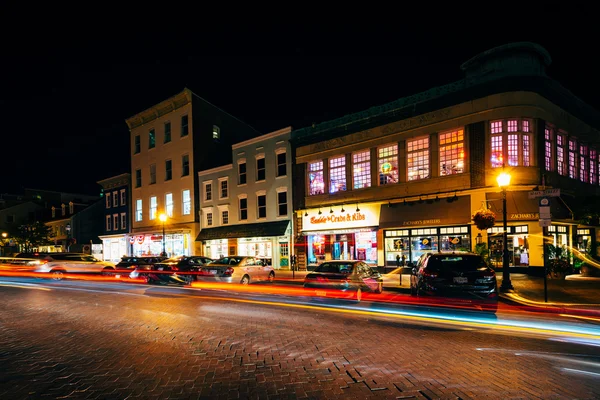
(163, 218)
(503, 181)
(4, 236)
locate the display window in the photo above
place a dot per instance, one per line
(216, 249)
(360, 245)
(518, 245)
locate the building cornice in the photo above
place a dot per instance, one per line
(222, 168)
(268, 136)
(164, 107)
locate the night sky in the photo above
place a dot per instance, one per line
(65, 94)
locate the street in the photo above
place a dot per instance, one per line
(105, 340)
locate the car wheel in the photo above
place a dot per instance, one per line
(108, 272)
(245, 280)
(57, 274)
(188, 279)
(271, 277)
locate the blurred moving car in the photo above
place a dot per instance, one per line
(172, 270)
(350, 277)
(59, 264)
(237, 269)
(463, 276)
(129, 265)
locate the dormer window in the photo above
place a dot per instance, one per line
(63, 207)
(216, 132)
(71, 207)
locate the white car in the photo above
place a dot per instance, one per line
(237, 269)
(59, 264)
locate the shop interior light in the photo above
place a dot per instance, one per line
(357, 209)
(343, 209)
(330, 210)
(306, 213)
(320, 211)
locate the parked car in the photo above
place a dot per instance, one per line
(59, 264)
(237, 269)
(173, 270)
(137, 264)
(462, 276)
(350, 278)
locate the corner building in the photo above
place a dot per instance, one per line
(170, 142)
(405, 178)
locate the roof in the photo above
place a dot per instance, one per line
(261, 229)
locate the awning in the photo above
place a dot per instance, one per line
(447, 211)
(277, 228)
(519, 207)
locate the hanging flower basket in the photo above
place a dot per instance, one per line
(484, 219)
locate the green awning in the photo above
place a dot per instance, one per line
(264, 229)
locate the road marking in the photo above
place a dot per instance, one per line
(24, 286)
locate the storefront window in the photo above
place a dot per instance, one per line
(423, 241)
(255, 247)
(316, 185)
(316, 249)
(418, 159)
(387, 162)
(216, 249)
(518, 245)
(337, 174)
(584, 240)
(151, 245)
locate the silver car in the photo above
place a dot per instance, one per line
(237, 269)
(59, 264)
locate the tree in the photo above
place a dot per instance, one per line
(28, 236)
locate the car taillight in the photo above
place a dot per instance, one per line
(174, 268)
(429, 274)
(228, 271)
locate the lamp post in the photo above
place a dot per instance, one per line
(4, 236)
(163, 218)
(506, 286)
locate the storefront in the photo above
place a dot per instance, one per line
(114, 248)
(518, 245)
(411, 229)
(269, 241)
(340, 234)
(151, 244)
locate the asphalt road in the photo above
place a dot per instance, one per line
(80, 340)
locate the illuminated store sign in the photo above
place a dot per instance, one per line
(367, 215)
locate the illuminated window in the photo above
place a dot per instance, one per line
(548, 142)
(243, 209)
(452, 155)
(187, 202)
(583, 163)
(572, 159)
(153, 207)
(361, 169)
(337, 174)
(526, 151)
(169, 204)
(151, 139)
(216, 132)
(316, 185)
(560, 155)
(496, 127)
(418, 159)
(138, 210)
(514, 147)
(593, 166)
(387, 162)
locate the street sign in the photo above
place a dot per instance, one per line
(545, 222)
(544, 193)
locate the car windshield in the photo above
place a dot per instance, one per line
(335, 268)
(455, 263)
(229, 260)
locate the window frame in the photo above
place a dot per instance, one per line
(151, 138)
(152, 168)
(366, 176)
(281, 167)
(138, 178)
(137, 144)
(223, 188)
(452, 146)
(259, 207)
(185, 129)
(243, 209)
(169, 204)
(139, 210)
(123, 197)
(244, 174)
(185, 202)
(167, 132)
(417, 164)
(388, 157)
(261, 158)
(185, 165)
(337, 173)
(207, 191)
(280, 205)
(168, 170)
(319, 172)
(153, 208)
(108, 223)
(216, 133)
(123, 220)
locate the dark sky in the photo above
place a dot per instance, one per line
(65, 93)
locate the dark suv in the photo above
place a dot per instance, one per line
(460, 278)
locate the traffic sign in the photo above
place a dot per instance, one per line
(544, 193)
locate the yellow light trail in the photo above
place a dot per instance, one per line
(25, 287)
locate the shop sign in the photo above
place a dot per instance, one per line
(422, 222)
(156, 238)
(455, 240)
(367, 215)
(524, 216)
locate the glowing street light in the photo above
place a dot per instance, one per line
(503, 180)
(163, 218)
